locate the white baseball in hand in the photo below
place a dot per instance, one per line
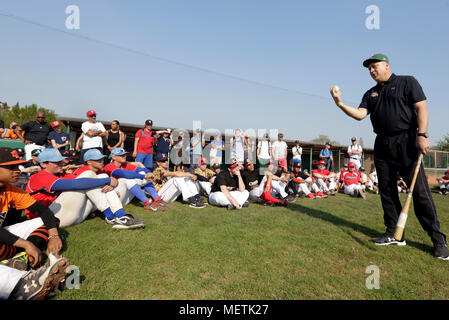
(336, 88)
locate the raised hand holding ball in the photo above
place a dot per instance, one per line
(336, 94)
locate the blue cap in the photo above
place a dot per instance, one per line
(160, 157)
(446, 172)
(93, 154)
(117, 152)
(50, 155)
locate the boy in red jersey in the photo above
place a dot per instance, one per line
(324, 178)
(73, 200)
(351, 181)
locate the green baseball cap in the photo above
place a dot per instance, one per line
(375, 57)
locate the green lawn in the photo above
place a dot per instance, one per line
(314, 249)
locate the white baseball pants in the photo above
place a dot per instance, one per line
(349, 189)
(326, 186)
(219, 199)
(73, 207)
(443, 185)
(203, 187)
(123, 187)
(176, 186)
(305, 187)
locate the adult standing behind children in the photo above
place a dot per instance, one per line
(115, 138)
(93, 133)
(143, 145)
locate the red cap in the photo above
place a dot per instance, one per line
(91, 113)
(54, 124)
(322, 162)
(233, 165)
(203, 161)
(351, 164)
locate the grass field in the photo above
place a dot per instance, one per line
(314, 249)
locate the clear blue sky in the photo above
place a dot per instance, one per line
(305, 47)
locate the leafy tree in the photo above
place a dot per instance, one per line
(443, 144)
(322, 139)
(25, 114)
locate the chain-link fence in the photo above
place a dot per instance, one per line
(436, 159)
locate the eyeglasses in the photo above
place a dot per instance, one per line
(92, 116)
(40, 117)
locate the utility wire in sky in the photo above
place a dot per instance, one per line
(138, 52)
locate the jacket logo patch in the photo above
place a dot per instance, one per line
(15, 154)
(374, 94)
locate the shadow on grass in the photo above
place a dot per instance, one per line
(343, 223)
(64, 235)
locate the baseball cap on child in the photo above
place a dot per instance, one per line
(161, 158)
(20, 152)
(93, 154)
(233, 165)
(35, 152)
(117, 152)
(9, 156)
(55, 124)
(50, 155)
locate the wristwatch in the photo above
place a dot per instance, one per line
(425, 135)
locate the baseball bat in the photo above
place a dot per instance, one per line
(404, 213)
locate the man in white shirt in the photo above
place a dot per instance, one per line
(280, 151)
(237, 147)
(93, 133)
(297, 152)
(264, 150)
(355, 153)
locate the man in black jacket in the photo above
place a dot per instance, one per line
(399, 115)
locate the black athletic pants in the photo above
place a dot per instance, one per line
(398, 153)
